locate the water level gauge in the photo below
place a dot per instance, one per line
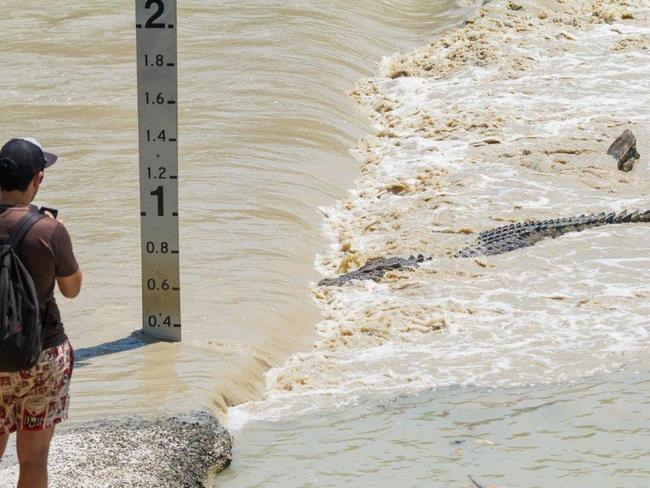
(158, 136)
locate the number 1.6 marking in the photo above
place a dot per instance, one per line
(150, 99)
(157, 99)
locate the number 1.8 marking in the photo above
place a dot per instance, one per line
(154, 60)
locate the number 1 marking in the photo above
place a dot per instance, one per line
(158, 192)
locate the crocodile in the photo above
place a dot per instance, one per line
(499, 240)
(375, 269)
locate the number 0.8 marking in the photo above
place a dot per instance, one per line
(153, 249)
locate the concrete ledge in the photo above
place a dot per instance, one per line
(183, 451)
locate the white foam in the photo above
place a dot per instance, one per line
(563, 310)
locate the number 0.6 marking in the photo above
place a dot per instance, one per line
(152, 285)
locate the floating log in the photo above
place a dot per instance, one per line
(623, 149)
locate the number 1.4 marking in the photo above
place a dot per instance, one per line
(162, 136)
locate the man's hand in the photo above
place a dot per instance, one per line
(49, 214)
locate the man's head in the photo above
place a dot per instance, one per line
(22, 162)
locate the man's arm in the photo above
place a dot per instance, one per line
(70, 286)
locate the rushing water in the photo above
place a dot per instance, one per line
(265, 130)
(590, 433)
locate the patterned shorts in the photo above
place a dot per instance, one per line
(37, 398)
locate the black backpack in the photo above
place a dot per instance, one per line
(20, 321)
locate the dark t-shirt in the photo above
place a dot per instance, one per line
(46, 252)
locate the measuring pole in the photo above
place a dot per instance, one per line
(158, 130)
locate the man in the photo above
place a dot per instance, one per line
(33, 401)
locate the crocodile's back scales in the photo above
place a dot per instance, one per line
(497, 241)
(524, 234)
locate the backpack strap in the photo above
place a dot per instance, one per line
(23, 226)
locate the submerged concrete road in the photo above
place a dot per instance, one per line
(182, 451)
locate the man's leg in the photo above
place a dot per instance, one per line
(3, 444)
(33, 448)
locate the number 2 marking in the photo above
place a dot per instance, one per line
(161, 8)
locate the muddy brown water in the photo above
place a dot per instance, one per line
(591, 433)
(266, 126)
(265, 131)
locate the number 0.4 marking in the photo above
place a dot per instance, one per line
(154, 321)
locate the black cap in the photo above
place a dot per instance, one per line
(23, 157)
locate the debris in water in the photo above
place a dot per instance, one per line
(399, 188)
(484, 442)
(623, 149)
(474, 482)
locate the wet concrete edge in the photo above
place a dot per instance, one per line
(182, 451)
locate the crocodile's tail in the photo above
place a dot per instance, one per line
(524, 234)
